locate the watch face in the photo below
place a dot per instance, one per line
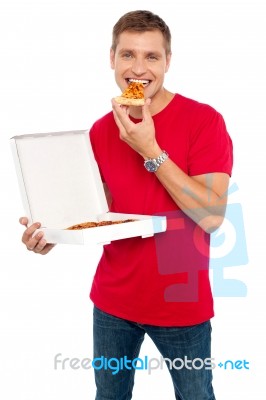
(151, 166)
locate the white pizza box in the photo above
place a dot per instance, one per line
(61, 186)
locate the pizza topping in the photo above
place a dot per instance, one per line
(135, 90)
(85, 225)
(134, 94)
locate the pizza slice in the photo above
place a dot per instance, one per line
(133, 95)
(86, 225)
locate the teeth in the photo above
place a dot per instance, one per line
(144, 81)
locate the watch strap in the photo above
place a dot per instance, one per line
(152, 164)
(161, 158)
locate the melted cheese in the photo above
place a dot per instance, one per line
(135, 90)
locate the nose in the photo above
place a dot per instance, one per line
(138, 66)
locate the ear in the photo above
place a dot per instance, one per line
(168, 60)
(112, 58)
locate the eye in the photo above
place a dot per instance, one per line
(126, 56)
(152, 57)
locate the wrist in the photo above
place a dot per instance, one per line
(152, 153)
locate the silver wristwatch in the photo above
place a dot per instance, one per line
(152, 164)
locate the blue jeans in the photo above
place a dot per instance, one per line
(116, 338)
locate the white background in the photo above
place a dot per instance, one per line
(55, 75)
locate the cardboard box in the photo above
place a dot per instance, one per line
(61, 186)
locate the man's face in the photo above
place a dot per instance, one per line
(141, 56)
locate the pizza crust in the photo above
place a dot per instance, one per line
(129, 102)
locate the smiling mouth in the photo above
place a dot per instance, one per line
(145, 82)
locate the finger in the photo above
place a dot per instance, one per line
(47, 248)
(33, 242)
(118, 122)
(23, 221)
(146, 110)
(42, 247)
(121, 114)
(122, 130)
(41, 243)
(27, 235)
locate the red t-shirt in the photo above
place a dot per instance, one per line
(161, 280)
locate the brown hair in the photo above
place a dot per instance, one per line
(141, 21)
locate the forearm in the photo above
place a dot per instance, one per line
(196, 196)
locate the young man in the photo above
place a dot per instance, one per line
(158, 285)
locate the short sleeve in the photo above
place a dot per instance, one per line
(210, 146)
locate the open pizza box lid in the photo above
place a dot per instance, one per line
(61, 186)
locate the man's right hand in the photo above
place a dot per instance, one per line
(37, 244)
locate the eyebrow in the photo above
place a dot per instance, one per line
(147, 53)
